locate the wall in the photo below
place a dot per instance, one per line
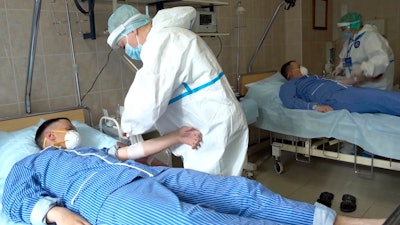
(53, 76)
(314, 40)
(53, 82)
(291, 37)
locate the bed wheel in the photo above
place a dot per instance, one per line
(278, 167)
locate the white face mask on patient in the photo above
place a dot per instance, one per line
(72, 139)
(303, 70)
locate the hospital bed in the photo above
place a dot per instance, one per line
(311, 133)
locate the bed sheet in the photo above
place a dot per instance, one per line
(376, 133)
(249, 107)
(18, 144)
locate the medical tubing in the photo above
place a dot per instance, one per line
(79, 7)
(32, 51)
(108, 162)
(98, 75)
(190, 91)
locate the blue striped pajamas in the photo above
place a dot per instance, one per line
(178, 196)
(105, 191)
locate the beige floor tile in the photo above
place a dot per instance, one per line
(376, 197)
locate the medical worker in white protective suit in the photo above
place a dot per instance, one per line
(180, 83)
(366, 59)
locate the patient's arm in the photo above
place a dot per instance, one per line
(184, 135)
(144, 160)
(61, 215)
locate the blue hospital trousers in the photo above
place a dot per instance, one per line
(178, 196)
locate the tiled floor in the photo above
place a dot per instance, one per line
(376, 197)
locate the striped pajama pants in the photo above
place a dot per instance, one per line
(178, 196)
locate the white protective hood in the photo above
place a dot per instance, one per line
(182, 16)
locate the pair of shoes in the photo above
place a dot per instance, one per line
(325, 198)
(348, 203)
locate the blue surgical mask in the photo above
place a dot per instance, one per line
(347, 34)
(132, 52)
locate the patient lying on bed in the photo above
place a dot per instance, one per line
(88, 186)
(323, 95)
(61, 133)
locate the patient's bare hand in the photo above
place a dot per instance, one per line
(64, 216)
(347, 81)
(323, 108)
(190, 136)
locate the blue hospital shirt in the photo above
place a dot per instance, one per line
(65, 174)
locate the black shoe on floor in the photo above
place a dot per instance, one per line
(326, 198)
(348, 203)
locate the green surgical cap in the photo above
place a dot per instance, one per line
(351, 20)
(125, 19)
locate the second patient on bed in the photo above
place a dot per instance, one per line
(311, 92)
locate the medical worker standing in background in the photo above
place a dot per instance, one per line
(180, 83)
(366, 59)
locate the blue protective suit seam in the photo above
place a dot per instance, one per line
(194, 90)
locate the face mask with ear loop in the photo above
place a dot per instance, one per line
(72, 139)
(132, 52)
(303, 70)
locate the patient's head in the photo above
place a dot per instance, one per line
(58, 132)
(291, 69)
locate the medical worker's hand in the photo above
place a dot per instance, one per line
(323, 108)
(190, 136)
(337, 72)
(63, 216)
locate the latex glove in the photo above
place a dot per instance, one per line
(337, 72)
(357, 72)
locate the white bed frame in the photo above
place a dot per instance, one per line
(307, 147)
(304, 148)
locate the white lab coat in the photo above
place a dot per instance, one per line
(172, 55)
(373, 55)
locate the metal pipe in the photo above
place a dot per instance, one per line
(32, 52)
(74, 64)
(129, 62)
(290, 3)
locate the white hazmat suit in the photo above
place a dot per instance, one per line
(181, 83)
(370, 51)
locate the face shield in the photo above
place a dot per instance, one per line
(124, 20)
(351, 21)
(350, 25)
